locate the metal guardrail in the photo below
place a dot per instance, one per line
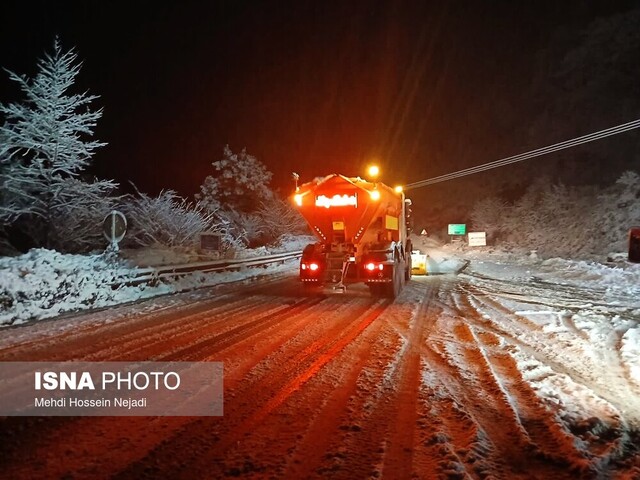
(155, 274)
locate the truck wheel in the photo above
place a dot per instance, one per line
(392, 290)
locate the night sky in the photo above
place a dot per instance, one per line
(306, 86)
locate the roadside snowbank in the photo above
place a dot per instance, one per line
(585, 316)
(44, 283)
(615, 278)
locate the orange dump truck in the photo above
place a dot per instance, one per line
(362, 234)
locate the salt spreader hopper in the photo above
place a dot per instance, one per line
(362, 234)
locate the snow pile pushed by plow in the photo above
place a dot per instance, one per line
(44, 284)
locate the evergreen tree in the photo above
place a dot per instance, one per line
(240, 183)
(45, 146)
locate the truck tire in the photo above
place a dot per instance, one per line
(392, 290)
(408, 261)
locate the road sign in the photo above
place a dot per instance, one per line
(477, 239)
(457, 229)
(114, 227)
(210, 241)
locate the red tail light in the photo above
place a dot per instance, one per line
(311, 266)
(373, 266)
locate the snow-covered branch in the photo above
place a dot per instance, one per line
(45, 146)
(167, 220)
(563, 220)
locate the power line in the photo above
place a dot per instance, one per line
(527, 155)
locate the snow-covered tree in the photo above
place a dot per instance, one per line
(45, 147)
(245, 229)
(235, 192)
(279, 217)
(521, 221)
(240, 182)
(79, 213)
(487, 215)
(167, 220)
(569, 221)
(619, 210)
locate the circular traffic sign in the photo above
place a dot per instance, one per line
(114, 226)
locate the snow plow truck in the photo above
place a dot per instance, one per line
(362, 231)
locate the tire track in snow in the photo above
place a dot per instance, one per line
(242, 356)
(619, 443)
(398, 459)
(214, 341)
(312, 446)
(169, 335)
(548, 437)
(138, 431)
(473, 388)
(466, 371)
(559, 296)
(588, 374)
(84, 340)
(214, 446)
(313, 416)
(451, 436)
(365, 432)
(75, 346)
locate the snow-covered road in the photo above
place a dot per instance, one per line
(463, 376)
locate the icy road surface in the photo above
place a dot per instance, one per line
(462, 377)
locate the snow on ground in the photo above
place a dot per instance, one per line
(44, 284)
(584, 315)
(591, 310)
(618, 280)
